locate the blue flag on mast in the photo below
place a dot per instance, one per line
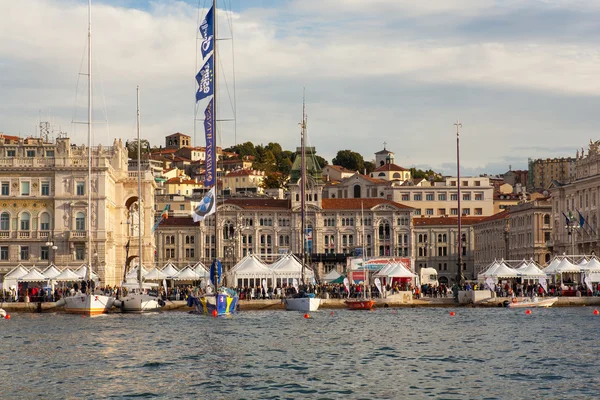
(207, 31)
(209, 177)
(205, 80)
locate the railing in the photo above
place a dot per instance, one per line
(24, 162)
(77, 234)
(24, 235)
(44, 234)
(4, 235)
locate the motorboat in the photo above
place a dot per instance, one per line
(533, 302)
(87, 304)
(359, 304)
(304, 303)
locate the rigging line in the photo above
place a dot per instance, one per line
(226, 84)
(99, 73)
(233, 67)
(79, 74)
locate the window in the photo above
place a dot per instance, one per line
(5, 189)
(11, 153)
(25, 218)
(479, 211)
(80, 188)
(429, 211)
(45, 188)
(24, 188)
(429, 196)
(442, 197)
(418, 197)
(454, 197)
(4, 222)
(44, 222)
(478, 196)
(466, 211)
(49, 153)
(417, 211)
(405, 197)
(24, 253)
(182, 207)
(30, 153)
(467, 196)
(80, 222)
(454, 211)
(441, 211)
(79, 252)
(4, 253)
(45, 254)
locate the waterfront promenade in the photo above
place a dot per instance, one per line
(326, 304)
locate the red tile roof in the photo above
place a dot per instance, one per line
(177, 221)
(261, 204)
(500, 215)
(357, 204)
(390, 167)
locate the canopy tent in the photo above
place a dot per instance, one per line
(529, 270)
(154, 274)
(567, 266)
(500, 270)
(133, 274)
(201, 269)
(67, 275)
(289, 266)
(582, 262)
(169, 270)
(51, 272)
(394, 270)
(33, 276)
(188, 274)
(332, 276)
(13, 276)
(81, 271)
(250, 271)
(593, 265)
(339, 279)
(551, 268)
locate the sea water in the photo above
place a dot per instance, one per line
(493, 353)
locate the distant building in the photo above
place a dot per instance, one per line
(542, 172)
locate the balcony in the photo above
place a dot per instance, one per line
(77, 235)
(24, 235)
(4, 235)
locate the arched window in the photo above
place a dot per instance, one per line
(297, 197)
(397, 175)
(5, 221)
(168, 239)
(44, 222)
(25, 218)
(384, 231)
(80, 221)
(546, 219)
(420, 238)
(439, 237)
(357, 191)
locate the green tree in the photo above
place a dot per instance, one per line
(322, 162)
(274, 180)
(370, 166)
(349, 160)
(132, 147)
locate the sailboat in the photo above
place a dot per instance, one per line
(139, 299)
(86, 302)
(302, 301)
(216, 301)
(362, 303)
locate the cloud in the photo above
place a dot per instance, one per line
(519, 73)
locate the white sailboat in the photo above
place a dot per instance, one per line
(139, 299)
(302, 301)
(86, 302)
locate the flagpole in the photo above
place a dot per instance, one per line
(214, 149)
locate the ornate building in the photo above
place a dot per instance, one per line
(44, 203)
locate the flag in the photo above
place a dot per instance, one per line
(347, 285)
(543, 283)
(205, 80)
(588, 282)
(165, 286)
(207, 206)
(209, 174)
(489, 282)
(163, 215)
(127, 246)
(378, 285)
(581, 219)
(264, 285)
(207, 31)
(295, 284)
(568, 221)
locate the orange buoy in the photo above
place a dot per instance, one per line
(596, 312)
(331, 314)
(452, 313)
(528, 312)
(7, 316)
(215, 313)
(306, 316)
(83, 316)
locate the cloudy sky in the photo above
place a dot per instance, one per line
(523, 76)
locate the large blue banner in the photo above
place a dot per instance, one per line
(207, 31)
(205, 80)
(209, 177)
(216, 269)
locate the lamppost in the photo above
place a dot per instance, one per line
(506, 241)
(572, 226)
(459, 275)
(53, 247)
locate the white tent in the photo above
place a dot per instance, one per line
(12, 277)
(200, 269)
(394, 270)
(582, 262)
(67, 275)
(188, 274)
(500, 270)
(567, 266)
(169, 270)
(592, 266)
(133, 274)
(289, 266)
(331, 276)
(154, 274)
(530, 271)
(33, 276)
(551, 268)
(81, 271)
(51, 272)
(251, 268)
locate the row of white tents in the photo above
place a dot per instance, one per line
(530, 270)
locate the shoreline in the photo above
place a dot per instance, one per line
(277, 304)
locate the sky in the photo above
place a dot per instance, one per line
(522, 76)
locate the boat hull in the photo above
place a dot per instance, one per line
(223, 304)
(138, 303)
(547, 302)
(302, 304)
(359, 304)
(88, 304)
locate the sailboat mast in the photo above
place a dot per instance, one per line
(459, 276)
(303, 187)
(139, 174)
(362, 217)
(214, 145)
(89, 138)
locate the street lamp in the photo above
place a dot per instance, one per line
(53, 247)
(572, 226)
